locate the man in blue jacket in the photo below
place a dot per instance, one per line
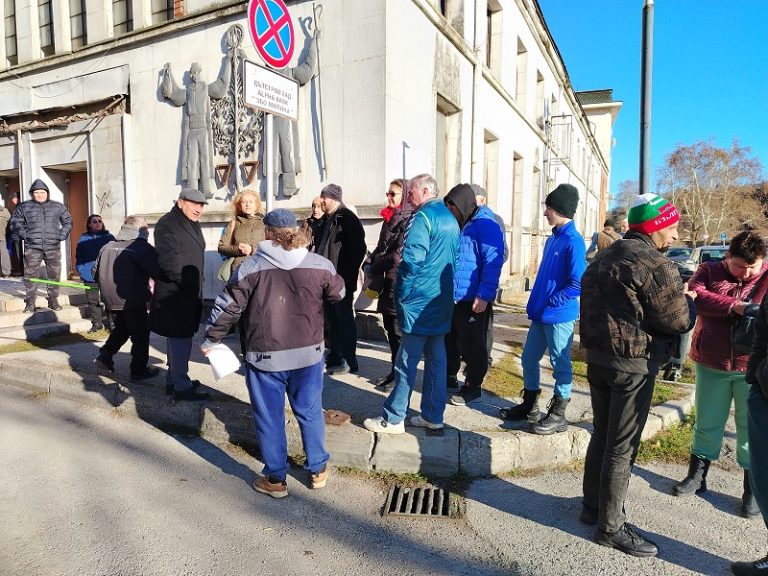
(424, 302)
(481, 254)
(553, 308)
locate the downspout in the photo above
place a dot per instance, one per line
(476, 173)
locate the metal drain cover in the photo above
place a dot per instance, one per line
(421, 502)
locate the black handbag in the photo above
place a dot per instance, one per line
(744, 331)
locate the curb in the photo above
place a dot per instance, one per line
(441, 453)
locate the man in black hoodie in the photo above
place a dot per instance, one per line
(42, 224)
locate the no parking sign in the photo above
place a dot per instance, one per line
(271, 31)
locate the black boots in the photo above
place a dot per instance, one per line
(627, 539)
(696, 480)
(529, 409)
(555, 420)
(53, 304)
(29, 308)
(748, 505)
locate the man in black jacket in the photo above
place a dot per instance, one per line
(43, 224)
(342, 241)
(122, 270)
(177, 302)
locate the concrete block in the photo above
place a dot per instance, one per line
(668, 414)
(370, 326)
(228, 422)
(25, 377)
(537, 451)
(153, 406)
(349, 445)
(486, 453)
(653, 426)
(87, 389)
(419, 450)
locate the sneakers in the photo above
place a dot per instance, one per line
(319, 479)
(382, 382)
(191, 395)
(96, 328)
(452, 381)
(465, 395)
(341, 368)
(169, 386)
(105, 364)
(29, 308)
(146, 374)
(54, 305)
(756, 568)
(271, 487)
(381, 426)
(628, 540)
(422, 423)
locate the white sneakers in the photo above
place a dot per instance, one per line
(422, 423)
(383, 427)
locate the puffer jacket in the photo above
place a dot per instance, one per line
(716, 292)
(41, 225)
(555, 294)
(87, 250)
(481, 255)
(632, 307)
(245, 230)
(424, 286)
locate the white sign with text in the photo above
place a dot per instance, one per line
(270, 91)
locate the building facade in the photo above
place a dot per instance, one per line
(468, 90)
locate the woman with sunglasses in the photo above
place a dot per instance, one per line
(88, 247)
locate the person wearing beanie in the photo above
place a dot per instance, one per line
(634, 307)
(278, 296)
(42, 225)
(342, 241)
(553, 308)
(475, 284)
(123, 269)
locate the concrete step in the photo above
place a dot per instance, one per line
(31, 332)
(43, 316)
(9, 303)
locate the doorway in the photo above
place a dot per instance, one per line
(76, 201)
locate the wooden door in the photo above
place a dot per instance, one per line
(77, 204)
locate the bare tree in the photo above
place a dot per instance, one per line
(628, 190)
(713, 188)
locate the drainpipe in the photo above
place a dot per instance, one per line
(476, 172)
(646, 68)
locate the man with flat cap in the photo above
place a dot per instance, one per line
(553, 308)
(177, 301)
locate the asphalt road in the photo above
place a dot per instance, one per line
(87, 492)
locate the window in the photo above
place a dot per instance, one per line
(162, 10)
(45, 20)
(11, 54)
(539, 99)
(77, 23)
(522, 74)
(122, 17)
(493, 38)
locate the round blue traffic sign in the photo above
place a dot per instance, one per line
(271, 31)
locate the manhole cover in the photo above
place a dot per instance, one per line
(419, 502)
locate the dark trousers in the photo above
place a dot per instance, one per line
(393, 337)
(468, 339)
(33, 257)
(94, 303)
(620, 405)
(342, 332)
(133, 324)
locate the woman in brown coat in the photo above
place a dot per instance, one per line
(245, 230)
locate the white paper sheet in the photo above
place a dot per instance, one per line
(223, 361)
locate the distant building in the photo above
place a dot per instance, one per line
(466, 90)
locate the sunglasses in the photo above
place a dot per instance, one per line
(393, 194)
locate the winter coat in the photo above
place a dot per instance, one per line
(424, 285)
(123, 269)
(481, 256)
(177, 301)
(41, 225)
(555, 294)
(87, 250)
(342, 241)
(242, 230)
(386, 258)
(757, 369)
(632, 307)
(716, 292)
(280, 295)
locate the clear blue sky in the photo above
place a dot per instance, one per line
(710, 71)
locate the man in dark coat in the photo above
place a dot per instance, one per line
(43, 224)
(342, 241)
(177, 302)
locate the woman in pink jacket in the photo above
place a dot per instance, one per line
(724, 291)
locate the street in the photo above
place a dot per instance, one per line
(88, 492)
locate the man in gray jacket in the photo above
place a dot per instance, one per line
(43, 224)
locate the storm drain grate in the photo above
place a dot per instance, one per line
(428, 502)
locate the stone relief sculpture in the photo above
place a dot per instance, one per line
(196, 133)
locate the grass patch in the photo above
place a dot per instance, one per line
(672, 445)
(575, 466)
(52, 342)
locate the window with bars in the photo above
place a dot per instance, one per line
(45, 21)
(77, 23)
(11, 53)
(162, 10)
(122, 17)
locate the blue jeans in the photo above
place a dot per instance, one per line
(757, 424)
(179, 350)
(557, 338)
(433, 386)
(304, 387)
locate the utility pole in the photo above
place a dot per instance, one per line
(646, 67)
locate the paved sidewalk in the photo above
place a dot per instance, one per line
(475, 441)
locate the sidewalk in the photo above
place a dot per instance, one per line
(475, 441)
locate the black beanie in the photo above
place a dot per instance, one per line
(564, 199)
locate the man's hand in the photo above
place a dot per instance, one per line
(479, 305)
(690, 293)
(245, 249)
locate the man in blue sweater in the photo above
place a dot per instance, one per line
(553, 308)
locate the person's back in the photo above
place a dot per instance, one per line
(124, 268)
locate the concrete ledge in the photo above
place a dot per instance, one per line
(350, 445)
(418, 450)
(25, 377)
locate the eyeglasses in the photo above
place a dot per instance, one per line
(393, 194)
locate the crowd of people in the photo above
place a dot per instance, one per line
(435, 273)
